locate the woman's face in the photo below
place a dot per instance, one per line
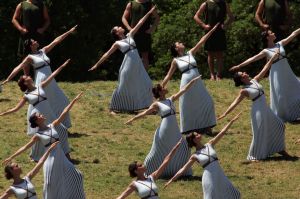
(27, 80)
(119, 30)
(163, 92)
(15, 169)
(140, 169)
(197, 138)
(40, 118)
(271, 36)
(244, 76)
(34, 45)
(179, 46)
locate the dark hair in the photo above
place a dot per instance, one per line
(27, 46)
(21, 84)
(156, 90)
(131, 168)
(32, 121)
(114, 35)
(264, 36)
(237, 79)
(190, 139)
(8, 172)
(173, 50)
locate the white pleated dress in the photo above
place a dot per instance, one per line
(134, 91)
(214, 182)
(284, 87)
(39, 102)
(24, 190)
(267, 129)
(56, 97)
(196, 106)
(146, 189)
(61, 178)
(166, 137)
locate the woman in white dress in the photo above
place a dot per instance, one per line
(40, 62)
(197, 112)
(35, 96)
(61, 178)
(134, 90)
(267, 129)
(284, 84)
(168, 133)
(144, 184)
(22, 188)
(215, 184)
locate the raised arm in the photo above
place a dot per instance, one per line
(258, 15)
(21, 103)
(58, 40)
(243, 93)
(16, 18)
(46, 21)
(54, 74)
(150, 110)
(7, 194)
(66, 110)
(26, 62)
(21, 150)
(291, 37)
(170, 73)
(184, 89)
(266, 68)
(197, 16)
(155, 22)
(39, 165)
(126, 16)
(130, 189)
(141, 22)
(255, 58)
(218, 137)
(188, 165)
(202, 41)
(106, 55)
(156, 174)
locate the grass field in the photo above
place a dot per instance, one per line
(103, 146)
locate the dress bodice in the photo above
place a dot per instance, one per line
(48, 136)
(39, 59)
(146, 188)
(186, 62)
(36, 96)
(206, 155)
(255, 90)
(127, 44)
(24, 190)
(166, 108)
(271, 51)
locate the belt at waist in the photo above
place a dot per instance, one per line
(277, 60)
(129, 50)
(254, 99)
(42, 66)
(187, 69)
(36, 103)
(49, 144)
(208, 163)
(167, 115)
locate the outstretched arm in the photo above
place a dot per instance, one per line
(155, 22)
(39, 165)
(58, 40)
(255, 58)
(131, 188)
(195, 49)
(218, 137)
(26, 62)
(54, 74)
(166, 161)
(126, 16)
(150, 110)
(258, 15)
(243, 93)
(16, 108)
(141, 22)
(21, 150)
(182, 170)
(106, 55)
(291, 37)
(7, 194)
(266, 67)
(198, 19)
(170, 73)
(66, 110)
(184, 89)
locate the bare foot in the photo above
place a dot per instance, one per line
(113, 113)
(212, 77)
(219, 77)
(297, 142)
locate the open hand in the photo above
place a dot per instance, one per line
(129, 122)
(6, 161)
(72, 30)
(66, 63)
(78, 96)
(236, 117)
(234, 68)
(167, 184)
(53, 145)
(93, 68)
(221, 117)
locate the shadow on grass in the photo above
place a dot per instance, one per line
(4, 100)
(282, 158)
(187, 178)
(77, 135)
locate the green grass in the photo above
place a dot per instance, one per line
(103, 138)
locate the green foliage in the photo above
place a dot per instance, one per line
(96, 18)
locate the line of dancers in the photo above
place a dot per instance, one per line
(170, 155)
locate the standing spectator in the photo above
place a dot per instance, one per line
(32, 20)
(215, 11)
(274, 15)
(134, 11)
